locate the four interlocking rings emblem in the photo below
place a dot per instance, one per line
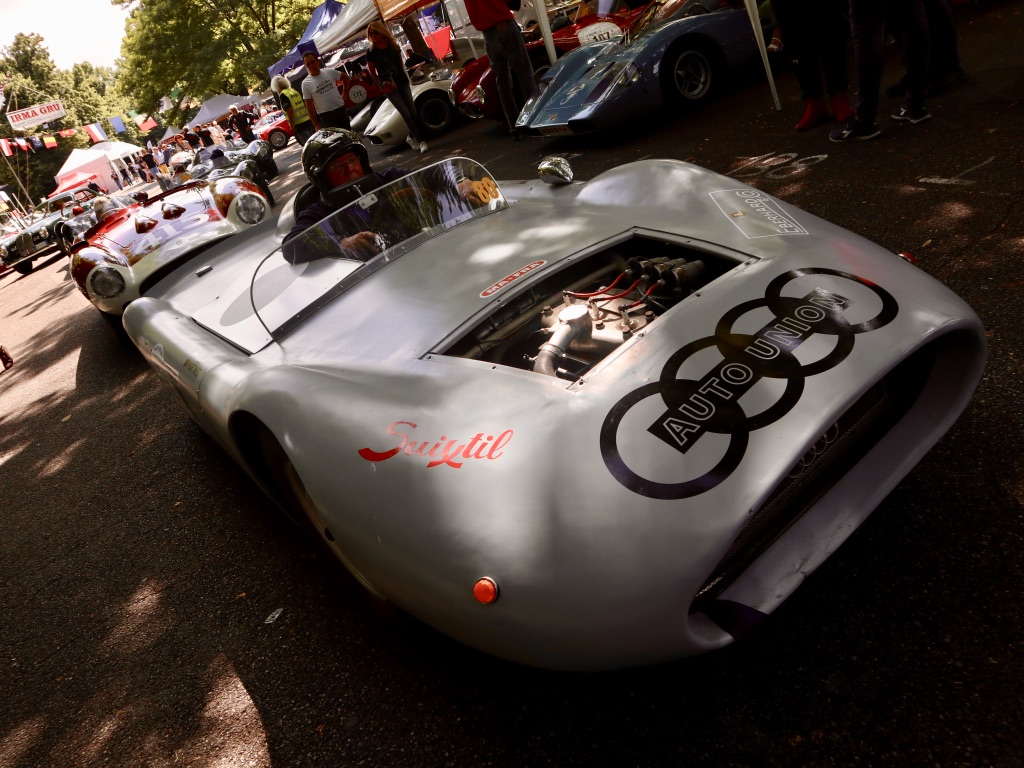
(711, 404)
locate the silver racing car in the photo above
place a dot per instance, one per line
(576, 425)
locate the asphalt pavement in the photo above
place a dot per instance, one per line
(157, 610)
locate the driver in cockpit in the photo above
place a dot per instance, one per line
(338, 168)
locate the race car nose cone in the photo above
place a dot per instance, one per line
(486, 590)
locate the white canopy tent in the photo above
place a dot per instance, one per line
(219, 106)
(117, 150)
(350, 22)
(84, 161)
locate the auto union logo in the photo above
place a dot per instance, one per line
(695, 408)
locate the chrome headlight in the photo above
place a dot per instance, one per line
(250, 208)
(106, 282)
(481, 93)
(3, 252)
(262, 148)
(44, 233)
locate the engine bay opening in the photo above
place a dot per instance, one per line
(568, 322)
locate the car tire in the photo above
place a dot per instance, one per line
(436, 113)
(690, 75)
(278, 139)
(116, 325)
(302, 510)
(23, 267)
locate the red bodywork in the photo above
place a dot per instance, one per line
(279, 123)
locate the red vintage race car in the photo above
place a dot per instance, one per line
(474, 90)
(274, 129)
(135, 242)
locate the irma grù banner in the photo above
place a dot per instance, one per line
(30, 117)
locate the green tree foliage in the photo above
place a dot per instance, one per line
(88, 95)
(199, 48)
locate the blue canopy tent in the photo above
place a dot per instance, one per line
(323, 15)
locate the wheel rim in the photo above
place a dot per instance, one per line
(435, 114)
(278, 139)
(692, 75)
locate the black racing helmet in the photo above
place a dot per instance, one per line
(323, 146)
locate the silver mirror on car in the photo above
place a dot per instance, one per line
(555, 170)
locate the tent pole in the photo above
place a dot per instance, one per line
(755, 22)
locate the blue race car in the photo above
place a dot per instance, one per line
(677, 53)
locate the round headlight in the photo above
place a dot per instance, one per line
(250, 208)
(3, 252)
(44, 233)
(106, 282)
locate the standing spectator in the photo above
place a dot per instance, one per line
(324, 103)
(217, 133)
(944, 68)
(94, 187)
(205, 135)
(867, 23)
(294, 108)
(384, 60)
(504, 44)
(242, 122)
(126, 177)
(149, 162)
(815, 33)
(113, 178)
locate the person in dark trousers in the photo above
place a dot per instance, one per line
(241, 121)
(868, 20)
(944, 67)
(506, 49)
(816, 32)
(384, 60)
(323, 100)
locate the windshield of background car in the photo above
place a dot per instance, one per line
(662, 10)
(314, 267)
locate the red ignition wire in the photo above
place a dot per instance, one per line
(641, 300)
(598, 293)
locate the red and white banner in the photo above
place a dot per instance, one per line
(5, 147)
(23, 119)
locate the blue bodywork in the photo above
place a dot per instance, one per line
(600, 85)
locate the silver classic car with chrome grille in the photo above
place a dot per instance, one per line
(579, 425)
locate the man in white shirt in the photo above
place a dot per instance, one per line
(320, 93)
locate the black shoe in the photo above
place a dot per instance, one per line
(946, 82)
(907, 114)
(5, 358)
(897, 89)
(854, 130)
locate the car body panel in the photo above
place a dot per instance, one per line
(388, 127)
(606, 503)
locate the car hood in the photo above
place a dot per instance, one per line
(422, 297)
